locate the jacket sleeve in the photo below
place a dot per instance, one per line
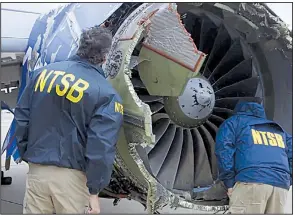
(22, 118)
(225, 150)
(102, 136)
(290, 155)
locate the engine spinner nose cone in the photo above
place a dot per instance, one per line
(198, 99)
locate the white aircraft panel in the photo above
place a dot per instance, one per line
(13, 45)
(32, 7)
(16, 24)
(17, 20)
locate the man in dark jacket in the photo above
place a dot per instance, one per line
(68, 121)
(255, 161)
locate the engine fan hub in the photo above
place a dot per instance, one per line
(198, 99)
(195, 104)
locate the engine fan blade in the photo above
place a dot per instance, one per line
(206, 72)
(148, 98)
(148, 149)
(159, 116)
(158, 154)
(231, 102)
(195, 28)
(156, 107)
(202, 176)
(217, 120)
(233, 57)
(168, 171)
(210, 148)
(243, 88)
(211, 128)
(143, 155)
(221, 45)
(185, 173)
(240, 72)
(208, 33)
(222, 112)
(160, 128)
(137, 83)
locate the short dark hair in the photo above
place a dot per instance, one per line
(95, 43)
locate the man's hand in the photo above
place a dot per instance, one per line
(94, 205)
(229, 191)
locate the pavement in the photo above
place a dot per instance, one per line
(12, 195)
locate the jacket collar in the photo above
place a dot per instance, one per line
(81, 60)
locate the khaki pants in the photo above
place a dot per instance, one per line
(52, 189)
(248, 198)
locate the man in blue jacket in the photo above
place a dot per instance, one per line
(255, 161)
(67, 125)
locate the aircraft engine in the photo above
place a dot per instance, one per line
(180, 69)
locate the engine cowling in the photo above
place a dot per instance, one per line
(175, 99)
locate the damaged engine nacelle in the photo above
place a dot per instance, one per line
(185, 67)
(180, 69)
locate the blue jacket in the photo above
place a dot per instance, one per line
(250, 148)
(70, 116)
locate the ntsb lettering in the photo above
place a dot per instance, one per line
(119, 108)
(267, 138)
(66, 86)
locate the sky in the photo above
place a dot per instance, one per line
(284, 11)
